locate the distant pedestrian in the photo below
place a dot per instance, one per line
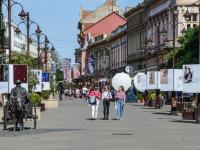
(173, 103)
(120, 102)
(94, 93)
(85, 91)
(106, 97)
(60, 90)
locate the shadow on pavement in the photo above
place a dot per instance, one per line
(163, 113)
(29, 131)
(148, 108)
(184, 121)
(137, 105)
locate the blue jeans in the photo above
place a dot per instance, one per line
(120, 104)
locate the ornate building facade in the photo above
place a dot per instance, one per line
(145, 25)
(87, 19)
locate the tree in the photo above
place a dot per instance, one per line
(188, 51)
(55, 56)
(23, 58)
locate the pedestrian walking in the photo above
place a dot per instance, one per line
(173, 103)
(85, 91)
(120, 102)
(106, 97)
(95, 93)
(60, 90)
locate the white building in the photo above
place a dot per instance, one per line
(19, 42)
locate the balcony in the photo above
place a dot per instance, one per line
(136, 56)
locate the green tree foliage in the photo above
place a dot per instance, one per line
(36, 99)
(32, 81)
(188, 51)
(23, 58)
(59, 75)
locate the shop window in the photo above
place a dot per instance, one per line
(194, 17)
(194, 25)
(188, 26)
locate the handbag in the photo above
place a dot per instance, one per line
(92, 100)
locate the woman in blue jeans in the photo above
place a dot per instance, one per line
(120, 101)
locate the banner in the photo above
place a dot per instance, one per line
(18, 72)
(140, 82)
(166, 80)
(90, 65)
(4, 78)
(66, 66)
(54, 67)
(178, 82)
(191, 78)
(45, 81)
(38, 86)
(76, 71)
(153, 78)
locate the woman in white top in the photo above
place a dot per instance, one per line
(106, 96)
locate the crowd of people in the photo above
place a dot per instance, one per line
(107, 95)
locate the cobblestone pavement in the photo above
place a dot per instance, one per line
(69, 128)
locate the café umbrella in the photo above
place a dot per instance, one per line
(121, 79)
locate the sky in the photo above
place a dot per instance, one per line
(58, 19)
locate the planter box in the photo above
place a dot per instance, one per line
(50, 104)
(188, 115)
(179, 107)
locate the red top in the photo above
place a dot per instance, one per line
(95, 93)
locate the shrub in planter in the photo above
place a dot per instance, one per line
(45, 94)
(35, 98)
(140, 96)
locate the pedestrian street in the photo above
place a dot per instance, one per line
(68, 128)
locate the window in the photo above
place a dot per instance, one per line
(194, 17)
(194, 25)
(188, 26)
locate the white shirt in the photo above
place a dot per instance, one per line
(106, 95)
(85, 90)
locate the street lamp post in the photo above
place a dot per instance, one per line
(164, 32)
(157, 33)
(38, 33)
(146, 69)
(28, 24)
(10, 4)
(158, 104)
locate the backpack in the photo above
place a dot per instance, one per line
(92, 100)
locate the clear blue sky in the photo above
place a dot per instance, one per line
(58, 19)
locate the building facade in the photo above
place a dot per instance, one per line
(145, 24)
(88, 19)
(106, 44)
(136, 20)
(119, 50)
(19, 43)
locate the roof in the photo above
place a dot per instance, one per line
(105, 18)
(134, 9)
